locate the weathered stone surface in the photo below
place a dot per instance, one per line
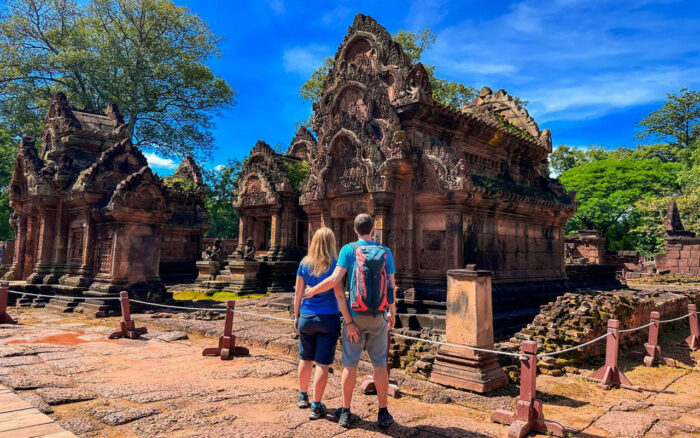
(35, 400)
(625, 424)
(7, 350)
(32, 380)
(59, 396)
(170, 336)
(169, 422)
(115, 416)
(149, 397)
(672, 428)
(80, 426)
(14, 361)
(264, 369)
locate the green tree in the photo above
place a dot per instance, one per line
(607, 192)
(677, 120)
(450, 93)
(8, 147)
(148, 56)
(222, 183)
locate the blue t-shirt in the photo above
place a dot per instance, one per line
(346, 259)
(320, 304)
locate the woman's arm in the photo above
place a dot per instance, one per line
(298, 293)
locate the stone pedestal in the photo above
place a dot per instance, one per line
(208, 270)
(469, 321)
(246, 276)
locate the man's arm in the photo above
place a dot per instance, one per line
(352, 328)
(330, 282)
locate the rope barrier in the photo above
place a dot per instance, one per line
(554, 353)
(636, 328)
(62, 296)
(675, 319)
(430, 341)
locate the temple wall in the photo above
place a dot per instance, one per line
(682, 256)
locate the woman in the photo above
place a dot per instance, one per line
(316, 319)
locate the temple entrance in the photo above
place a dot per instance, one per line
(348, 234)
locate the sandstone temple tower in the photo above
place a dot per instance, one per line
(447, 188)
(89, 214)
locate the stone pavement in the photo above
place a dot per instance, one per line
(161, 386)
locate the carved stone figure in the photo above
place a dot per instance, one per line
(249, 250)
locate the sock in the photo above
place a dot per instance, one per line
(384, 410)
(346, 410)
(305, 394)
(315, 404)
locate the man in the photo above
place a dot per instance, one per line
(371, 318)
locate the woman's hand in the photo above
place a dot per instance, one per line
(296, 323)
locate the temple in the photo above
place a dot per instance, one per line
(447, 187)
(90, 217)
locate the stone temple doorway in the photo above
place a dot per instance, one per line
(348, 232)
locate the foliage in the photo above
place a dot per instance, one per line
(190, 295)
(221, 188)
(8, 147)
(148, 56)
(607, 192)
(297, 171)
(180, 184)
(678, 120)
(449, 93)
(565, 157)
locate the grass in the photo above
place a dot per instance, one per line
(216, 296)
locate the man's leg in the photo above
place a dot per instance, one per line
(349, 376)
(381, 382)
(320, 381)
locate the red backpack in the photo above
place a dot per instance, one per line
(368, 285)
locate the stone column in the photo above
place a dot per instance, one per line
(338, 231)
(469, 321)
(20, 228)
(453, 240)
(275, 230)
(47, 238)
(241, 234)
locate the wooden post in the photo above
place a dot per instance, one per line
(5, 318)
(609, 375)
(227, 343)
(127, 327)
(693, 340)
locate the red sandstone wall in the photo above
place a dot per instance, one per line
(682, 256)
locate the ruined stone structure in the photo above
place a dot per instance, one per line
(89, 214)
(682, 249)
(446, 187)
(587, 247)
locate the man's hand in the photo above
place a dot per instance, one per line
(391, 319)
(296, 323)
(308, 292)
(353, 332)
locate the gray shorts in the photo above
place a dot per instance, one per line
(373, 338)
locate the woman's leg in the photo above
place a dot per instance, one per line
(320, 381)
(305, 368)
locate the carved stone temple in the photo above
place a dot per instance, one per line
(446, 187)
(91, 218)
(270, 216)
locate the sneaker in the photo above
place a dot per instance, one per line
(303, 401)
(344, 417)
(317, 411)
(384, 419)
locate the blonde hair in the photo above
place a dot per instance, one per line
(322, 252)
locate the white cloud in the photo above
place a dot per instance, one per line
(574, 59)
(155, 160)
(304, 60)
(219, 167)
(335, 15)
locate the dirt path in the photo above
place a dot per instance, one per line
(162, 386)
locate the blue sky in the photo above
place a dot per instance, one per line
(590, 69)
